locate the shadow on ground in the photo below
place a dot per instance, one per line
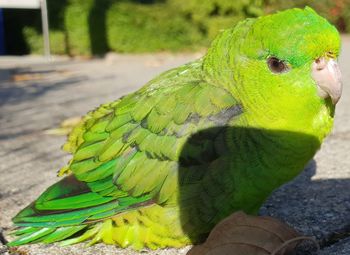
(319, 208)
(23, 84)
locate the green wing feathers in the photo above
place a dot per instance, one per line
(143, 134)
(66, 208)
(126, 155)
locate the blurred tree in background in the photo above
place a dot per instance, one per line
(139, 27)
(212, 16)
(94, 27)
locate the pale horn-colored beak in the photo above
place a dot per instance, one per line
(327, 76)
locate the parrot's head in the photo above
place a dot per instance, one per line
(282, 68)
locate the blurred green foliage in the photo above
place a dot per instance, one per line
(35, 44)
(94, 27)
(214, 15)
(336, 11)
(146, 28)
(76, 26)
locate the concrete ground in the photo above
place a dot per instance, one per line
(36, 95)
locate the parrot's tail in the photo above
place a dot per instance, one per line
(69, 209)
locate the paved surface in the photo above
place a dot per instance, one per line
(36, 95)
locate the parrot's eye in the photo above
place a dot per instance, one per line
(276, 65)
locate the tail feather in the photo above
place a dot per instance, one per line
(79, 201)
(66, 208)
(62, 233)
(45, 235)
(24, 230)
(32, 236)
(67, 218)
(89, 234)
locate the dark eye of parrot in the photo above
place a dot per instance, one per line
(276, 65)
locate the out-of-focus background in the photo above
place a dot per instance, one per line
(94, 27)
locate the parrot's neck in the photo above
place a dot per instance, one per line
(301, 118)
(276, 154)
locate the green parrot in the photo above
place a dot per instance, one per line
(160, 167)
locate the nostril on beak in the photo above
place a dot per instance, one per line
(320, 64)
(327, 76)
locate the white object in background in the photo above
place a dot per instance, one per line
(21, 4)
(33, 4)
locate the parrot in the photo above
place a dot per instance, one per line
(161, 166)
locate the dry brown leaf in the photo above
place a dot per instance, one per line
(241, 234)
(26, 77)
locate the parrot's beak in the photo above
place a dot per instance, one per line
(326, 74)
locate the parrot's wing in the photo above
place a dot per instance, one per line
(136, 144)
(127, 154)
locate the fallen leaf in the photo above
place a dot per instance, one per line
(26, 77)
(241, 234)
